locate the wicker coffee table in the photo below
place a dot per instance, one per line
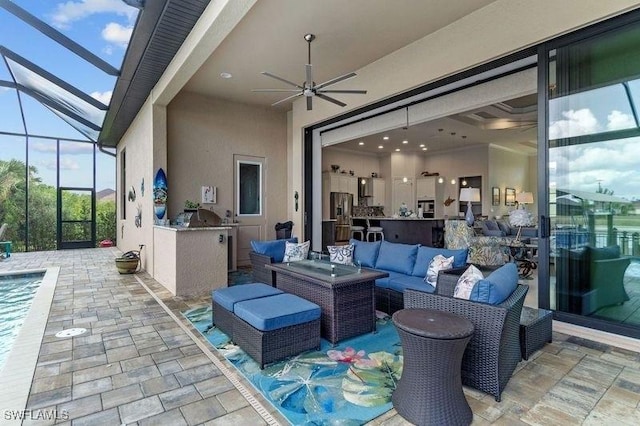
(535, 330)
(430, 389)
(344, 293)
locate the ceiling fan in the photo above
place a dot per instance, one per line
(309, 88)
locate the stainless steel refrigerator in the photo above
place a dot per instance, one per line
(341, 205)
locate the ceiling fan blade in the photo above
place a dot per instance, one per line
(275, 90)
(287, 99)
(359, 92)
(307, 69)
(268, 74)
(336, 80)
(309, 103)
(330, 99)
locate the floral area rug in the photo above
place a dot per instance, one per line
(349, 384)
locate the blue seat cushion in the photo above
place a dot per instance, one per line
(426, 254)
(495, 288)
(228, 297)
(385, 282)
(275, 312)
(397, 257)
(272, 248)
(404, 282)
(365, 253)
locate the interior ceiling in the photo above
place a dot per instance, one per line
(350, 34)
(510, 124)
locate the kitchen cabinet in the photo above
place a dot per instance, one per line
(378, 195)
(337, 182)
(428, 189)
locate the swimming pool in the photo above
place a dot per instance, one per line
(16, 295)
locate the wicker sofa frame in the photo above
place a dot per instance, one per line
(267, 346)
(494, 349)
(260, 272)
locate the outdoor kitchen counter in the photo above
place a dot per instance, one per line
(190, 261)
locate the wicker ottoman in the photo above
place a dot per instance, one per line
(535, 330)
(223, 301)
(430, 389)
(273, 328)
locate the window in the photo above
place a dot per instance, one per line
(123, 180)
(249, 178)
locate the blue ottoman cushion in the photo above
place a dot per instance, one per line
(228, 297)
(275, 312)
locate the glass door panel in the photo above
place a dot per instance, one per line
(76, 218)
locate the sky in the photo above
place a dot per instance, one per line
(102, 26)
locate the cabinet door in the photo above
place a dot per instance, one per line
(378, 192)
(426, 188)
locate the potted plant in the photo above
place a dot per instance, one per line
(129, 262)
(191, 206)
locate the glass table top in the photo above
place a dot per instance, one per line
(323, 267)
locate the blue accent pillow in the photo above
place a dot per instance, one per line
(426, 254)
(499, 285)
(397, 257)
(365, 253)
(272, 248)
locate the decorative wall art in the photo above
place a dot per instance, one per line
(509, 197)
(209, 195)
(160, 194)
(495, 196)
(131, 196)
(137, 220)
(142, 188)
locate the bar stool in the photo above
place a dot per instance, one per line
(356, 229)
(375, 231)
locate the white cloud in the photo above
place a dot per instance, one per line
(103, 97)
(67, 163)
(617, 120)
(117, 34)
(68, 148)
(107, 50)
(575, 123)
(71, 11)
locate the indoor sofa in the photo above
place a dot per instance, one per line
(406, 265)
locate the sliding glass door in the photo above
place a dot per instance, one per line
(594, 179)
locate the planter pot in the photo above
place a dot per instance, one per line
(127, 266)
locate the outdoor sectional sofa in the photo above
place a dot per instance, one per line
(407, 266)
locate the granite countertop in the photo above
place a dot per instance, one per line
(177, 228)
(393, 218)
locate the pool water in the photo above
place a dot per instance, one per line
(16, 295)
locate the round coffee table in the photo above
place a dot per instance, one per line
(430, 389)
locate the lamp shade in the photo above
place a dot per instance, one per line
(470, 194)
(524, 198)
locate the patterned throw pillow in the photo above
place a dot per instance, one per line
(294, 252)
(466, 282)
(438, 263)
(341, 254)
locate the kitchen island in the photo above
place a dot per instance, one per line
(410, 230)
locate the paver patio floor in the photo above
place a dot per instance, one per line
(141, 363)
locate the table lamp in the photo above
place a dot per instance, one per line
(524, 198)
(470, 195)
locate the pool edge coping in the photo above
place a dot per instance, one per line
(19, 368)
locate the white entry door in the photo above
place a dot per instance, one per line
(249, 208)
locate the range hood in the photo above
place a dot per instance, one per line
(365, 187)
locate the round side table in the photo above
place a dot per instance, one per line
(430, 389)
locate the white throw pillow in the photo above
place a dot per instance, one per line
(438, 263)
(295, 251)
(341, 254)
(466, 282)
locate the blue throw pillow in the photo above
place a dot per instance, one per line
(426, 254)
(364, 253)
(272, 248)
(495, 288)
(397, 257)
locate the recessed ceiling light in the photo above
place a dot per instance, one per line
(386, 138)
(360, 143)
(424, 148)
(405, 142)
(397, 149)
(453, 181)
(380, 146)
(421, 145)
(225, 75)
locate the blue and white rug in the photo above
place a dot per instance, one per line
(349, 384)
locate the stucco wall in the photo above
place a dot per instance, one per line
(204, 133)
